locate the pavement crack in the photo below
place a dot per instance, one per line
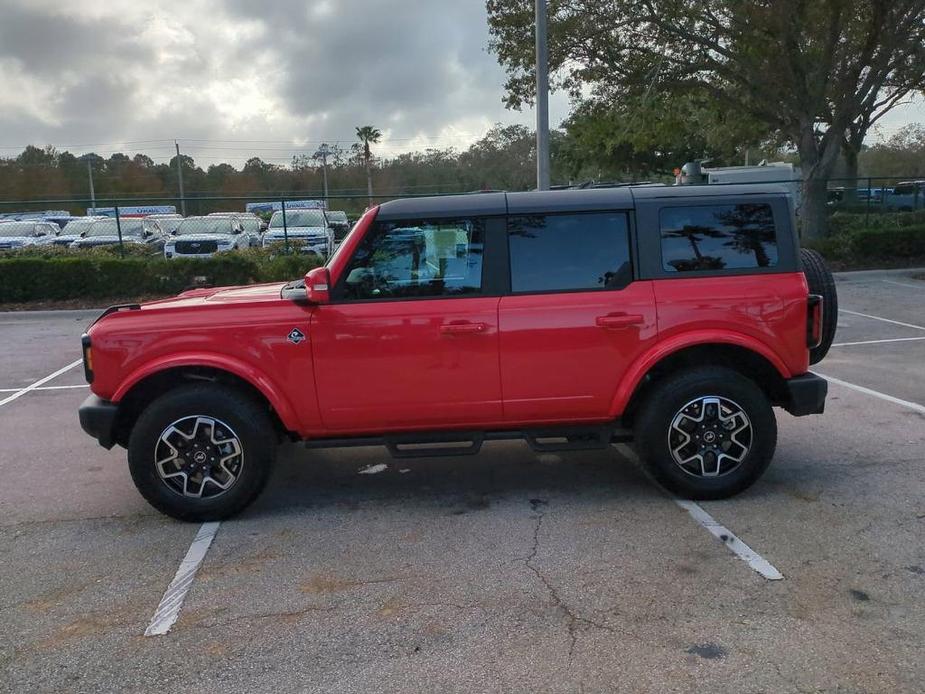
(574, 619)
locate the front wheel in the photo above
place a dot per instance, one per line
(202, 452)
(706, 433)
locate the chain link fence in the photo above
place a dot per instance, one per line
(128, 220)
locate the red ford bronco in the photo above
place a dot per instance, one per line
(670, 317)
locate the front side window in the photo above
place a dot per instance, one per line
(718, 237)
(569, 252)
(418, 259)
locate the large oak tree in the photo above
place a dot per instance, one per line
(808, 70)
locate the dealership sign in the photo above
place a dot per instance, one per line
(132, 211)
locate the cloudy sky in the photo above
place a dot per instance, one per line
(230, 78)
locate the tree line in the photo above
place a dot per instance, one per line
(815, 76)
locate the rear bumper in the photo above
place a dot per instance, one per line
(806, 395)
(98, 418)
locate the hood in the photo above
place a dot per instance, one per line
(296, 232)
(248, 294)
(16, 241)
(65, 238)
(106, 240)
(201, 237)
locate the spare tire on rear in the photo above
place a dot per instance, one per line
(821, 282)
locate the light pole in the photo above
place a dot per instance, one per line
(180, 180)
(542, 98)
(324, 151)
(92, 192)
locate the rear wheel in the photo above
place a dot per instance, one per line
(706, 433)
(821, 282)
(201, 452)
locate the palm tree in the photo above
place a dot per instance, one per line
(367, 134)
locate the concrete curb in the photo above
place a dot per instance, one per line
(891, 271)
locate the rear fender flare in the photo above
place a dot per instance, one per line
(670, 346)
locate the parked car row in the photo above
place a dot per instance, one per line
(905, 196)
(315, 231)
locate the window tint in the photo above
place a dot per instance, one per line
(419, 259)
(717, 237)
(569, 252)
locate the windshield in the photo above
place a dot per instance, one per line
(131, 226)
(205, 225)
(298, 218)
(337, 216)
(78, 226)
(11, 229)
(168, 224)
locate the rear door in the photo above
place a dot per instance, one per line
(410, 339)
(574, 319)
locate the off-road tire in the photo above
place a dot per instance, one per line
(251, 425)
(820, 281)
(652, 430)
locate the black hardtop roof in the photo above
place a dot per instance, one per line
(568, 200)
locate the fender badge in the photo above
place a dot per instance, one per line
(295, 336)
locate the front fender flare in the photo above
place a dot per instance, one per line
(672, 345)
(222, 362)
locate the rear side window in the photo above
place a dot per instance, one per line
(417, 259)
(718, 237)
(569, 252)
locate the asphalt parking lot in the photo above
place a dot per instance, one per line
(504, 572)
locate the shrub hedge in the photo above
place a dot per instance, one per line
(862, 246)
(56, 276)
(842, 222)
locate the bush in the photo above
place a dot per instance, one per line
(905, 242)
(843, 222)
(53, 275)
(861, 246)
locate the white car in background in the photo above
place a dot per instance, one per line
(168, 222)
(75, 229)
(135, 231)
(16, 235)
(203, 237)
(253, 225)
(308, 227)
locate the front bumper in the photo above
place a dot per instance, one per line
(98, 418)
(806, 395)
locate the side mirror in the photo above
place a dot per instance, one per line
(318, 285)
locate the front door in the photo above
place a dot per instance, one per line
(409, 340)
(575, 320)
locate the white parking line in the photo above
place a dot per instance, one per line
(877, 342)
(82, 385)
(169, 608)
(877, 394)
(885, 320)
(22, 391)
(903, 284)
(754, 560)
(735, 545)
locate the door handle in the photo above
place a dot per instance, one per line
(463, 328)
(617, 321)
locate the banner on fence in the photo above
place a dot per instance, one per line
(268, 206)
(132, 210)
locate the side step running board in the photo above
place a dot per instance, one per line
(578, 438)
(452, 443)
(433, 445)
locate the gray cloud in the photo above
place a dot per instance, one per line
(285, 71)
